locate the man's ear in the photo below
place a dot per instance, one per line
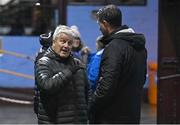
(105, 23)
(53, 41)
(107, 26)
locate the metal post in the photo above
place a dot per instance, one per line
(62, 6)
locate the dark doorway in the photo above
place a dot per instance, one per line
(168, 110)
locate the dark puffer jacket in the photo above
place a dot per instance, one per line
(122, 76)
(62, 96)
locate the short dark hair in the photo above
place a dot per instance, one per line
(110, 13)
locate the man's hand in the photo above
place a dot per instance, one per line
(75, 68)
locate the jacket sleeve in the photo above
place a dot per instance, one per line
(93, 69)
(112, 60)
(88, 91)
(47, 81)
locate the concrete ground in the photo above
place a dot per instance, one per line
(23, 114)
(148, 114)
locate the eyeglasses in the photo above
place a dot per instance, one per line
(100, 11)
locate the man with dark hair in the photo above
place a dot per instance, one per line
(117, 98)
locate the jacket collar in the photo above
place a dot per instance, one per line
(52, 54)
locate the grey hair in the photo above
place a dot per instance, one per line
(63, 29)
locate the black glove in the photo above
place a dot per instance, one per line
(75, 68)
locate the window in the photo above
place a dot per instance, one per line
(25, 17)
(102, 2)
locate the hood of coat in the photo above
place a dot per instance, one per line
(127, 34)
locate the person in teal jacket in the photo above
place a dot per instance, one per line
(94, 60)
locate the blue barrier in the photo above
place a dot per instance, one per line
(21, 45)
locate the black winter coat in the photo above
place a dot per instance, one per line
(117, 98)
(62, 96)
